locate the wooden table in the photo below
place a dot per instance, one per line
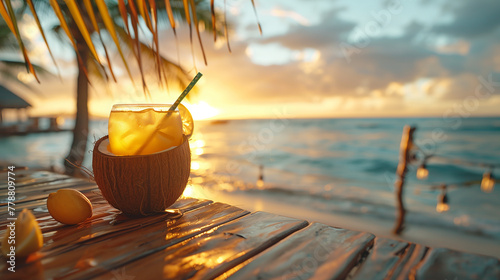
(214, 240)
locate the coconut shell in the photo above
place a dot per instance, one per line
(144, 184)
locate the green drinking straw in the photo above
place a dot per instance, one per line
(185, 92)
(171, 109)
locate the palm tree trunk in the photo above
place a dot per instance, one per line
(81, 130)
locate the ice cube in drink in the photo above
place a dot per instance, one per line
(140, 129)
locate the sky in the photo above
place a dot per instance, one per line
(319, 58)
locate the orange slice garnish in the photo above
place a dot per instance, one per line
(26, 238)
(187, 120)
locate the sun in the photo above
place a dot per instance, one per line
(202, 110)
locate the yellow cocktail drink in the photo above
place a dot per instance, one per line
(141, 129)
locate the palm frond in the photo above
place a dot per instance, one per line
(212, 11)
(9, 72)
(6, 17)
(64, 26)
(156, 43)
(78, 21)
(97, 73)
(93, 20)
(257, 17)
(108, 22)
(10, 18)
(149, 56)
(123, 13)
(195, 21)
(7, 40)
(9, 75)
(37, 20)
(170, 14)
(135, 23)
(16, 63)
(226, 32)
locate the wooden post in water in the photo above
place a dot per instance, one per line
(404, 154)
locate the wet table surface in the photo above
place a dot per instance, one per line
(213, 240)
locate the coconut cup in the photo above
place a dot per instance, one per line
(144, 184)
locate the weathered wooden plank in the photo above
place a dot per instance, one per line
(96, 255)
(47, 223)
(215, 241)
(106, 223)
(24, 178)
(315, 252)
(43, 187)
(39, 206)
(4, 167)
(214, 252)
(408, 262)
(42, 190)
(25, 174)
(382, 258)
(442, 263)
(103, 214)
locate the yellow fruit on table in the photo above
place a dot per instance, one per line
(23, 235)
(69, 206)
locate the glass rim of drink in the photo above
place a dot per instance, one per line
(136, 107)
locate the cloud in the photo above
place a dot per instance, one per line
(292, 15)
(470, 18)
(414, 71)
(331, 29)
(398, 74)
(405, 73)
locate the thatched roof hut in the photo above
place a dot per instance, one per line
(10, 100)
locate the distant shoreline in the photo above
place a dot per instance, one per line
(98, 118)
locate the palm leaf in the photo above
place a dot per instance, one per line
(7, 38)
(257, 17)
(226, 32)
(192, 11)
(156, 44)
(108, 22)
(149, 57)
(16, 63)
(6, 17)
(147, 17)
(35, 16)
(142, 8)
(212, 9)
(10, 19)
(188, 20)
(9, 73)
(123, 13)
(77, 17)
(64, 26)
(186, 12)
(195, 22)
(91, 14)
(134, 17)
(98, 75)
(170, 14)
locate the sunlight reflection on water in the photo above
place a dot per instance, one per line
(329, 165)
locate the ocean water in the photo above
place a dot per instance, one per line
(348, 166)
(337, 166)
